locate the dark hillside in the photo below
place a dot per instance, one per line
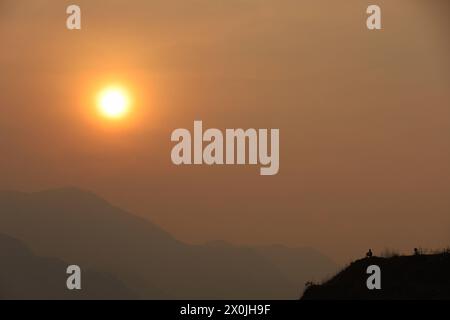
(402, 277)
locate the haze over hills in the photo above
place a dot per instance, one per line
(77, 226)
(26, 276)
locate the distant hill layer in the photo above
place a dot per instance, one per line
(79, 227)
(402, 277)
(26, 276)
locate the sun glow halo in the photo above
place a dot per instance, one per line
(113, 102)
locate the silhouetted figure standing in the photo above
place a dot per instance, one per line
(416, 252)
(369, 254)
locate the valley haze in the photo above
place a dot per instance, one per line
(77, 226)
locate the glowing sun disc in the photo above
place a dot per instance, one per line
(113, 103)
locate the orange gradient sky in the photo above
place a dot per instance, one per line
(363, 116)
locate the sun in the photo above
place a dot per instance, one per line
(114, 102)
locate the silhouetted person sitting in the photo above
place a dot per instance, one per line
(369, 254)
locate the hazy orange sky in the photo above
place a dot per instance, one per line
(364, 117)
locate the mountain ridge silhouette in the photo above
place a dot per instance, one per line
(27, 276)
(78, 226)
